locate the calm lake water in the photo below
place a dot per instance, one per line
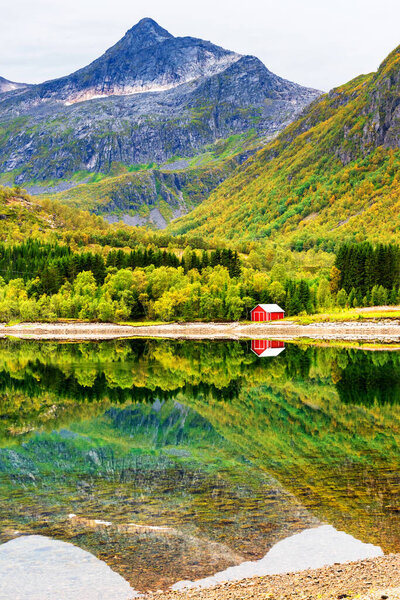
(176, 460)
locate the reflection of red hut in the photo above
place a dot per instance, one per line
(267, 312)
(267, 347)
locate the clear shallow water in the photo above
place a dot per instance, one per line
(174, 461)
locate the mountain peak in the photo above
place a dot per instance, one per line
(149, 24)
(147, 59)
(152, 96)
(145, 33)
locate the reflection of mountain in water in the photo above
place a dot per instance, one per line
(161, 465)
(194, 436)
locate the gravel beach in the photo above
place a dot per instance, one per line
(371, 579)
(386, 330)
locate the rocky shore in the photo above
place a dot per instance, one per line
(371, 579)
(386, 330)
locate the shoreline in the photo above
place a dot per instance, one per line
(369, 579)
(380, 331)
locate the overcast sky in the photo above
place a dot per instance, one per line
(319, 43)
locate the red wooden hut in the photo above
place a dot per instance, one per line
(267, 347)
(267, 312)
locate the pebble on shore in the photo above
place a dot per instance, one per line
(370, 579)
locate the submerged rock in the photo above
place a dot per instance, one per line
(311, 549)
(39, 568)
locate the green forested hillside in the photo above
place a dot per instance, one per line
(332, 175)
(23, 217)
(58, 262)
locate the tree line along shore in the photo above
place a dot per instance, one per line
(46, 281)
(60, 263)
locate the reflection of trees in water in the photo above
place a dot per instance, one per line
(75, 369)
(36, 376)
(297, 362)
(53, 380)
(44, 382)
(360, 376)
(369, 378)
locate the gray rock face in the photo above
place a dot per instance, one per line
(383, 109)
(373, 116)
(148, 98)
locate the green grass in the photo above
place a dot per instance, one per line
(351, 314)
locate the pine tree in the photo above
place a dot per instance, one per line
(375, 296)
(351, 297)
(341, 298)
(393, 296)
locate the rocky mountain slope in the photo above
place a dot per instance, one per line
(330, 176)
(149, 98)
(151, 194)
(8, 86)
